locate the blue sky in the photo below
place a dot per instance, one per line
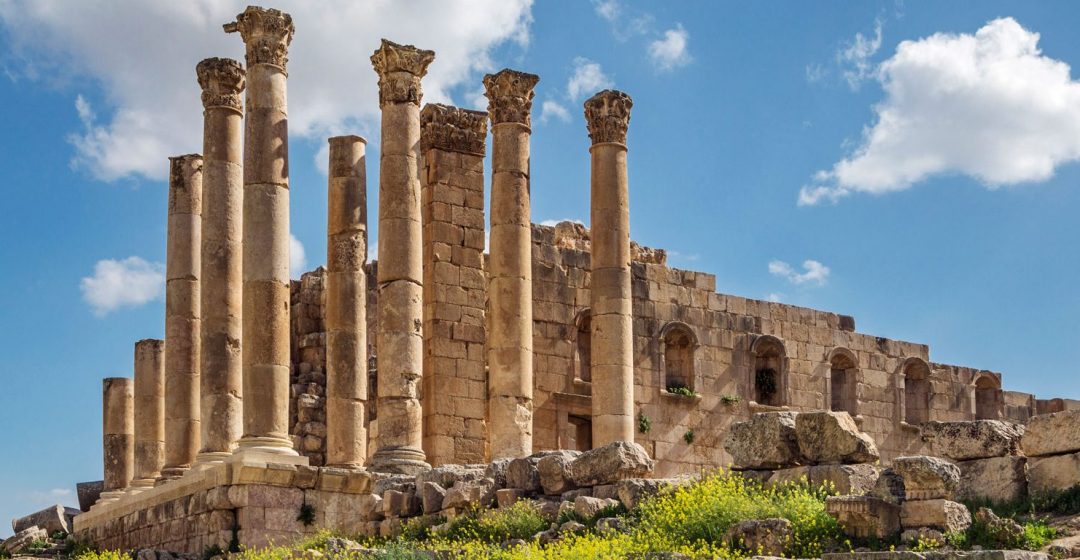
(912, 164)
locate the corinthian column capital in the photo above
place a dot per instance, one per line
(266, 34)
(222, 81)
(444, 127)
(607, 116)
(400, 68)
(510, 96)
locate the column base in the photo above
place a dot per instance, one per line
(140, 485)
(110, 497)
(206, 458)
(170, 473)
(399, 460)
(266, 450)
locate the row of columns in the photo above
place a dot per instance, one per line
(218, 387)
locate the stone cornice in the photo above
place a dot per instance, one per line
(400, 68)
(607, 116)
(266, 34)
(222, 81)
(510, 96)
(443, 127)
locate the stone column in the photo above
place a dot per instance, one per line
(149, 412)
(182, 272)
(222, 81)
(118, 423)
(607, 115)
(400, 313)
(266, 34)
(346, 304)
(510, 341)
(452, 144)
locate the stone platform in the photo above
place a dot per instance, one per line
(252, 504)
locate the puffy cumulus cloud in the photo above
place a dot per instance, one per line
(297, 257)
(587, 79)
(143, 55)
(670, 51)
(813, 272)
(553, 110)
(987, 105)
(130, 282)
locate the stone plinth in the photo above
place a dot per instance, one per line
(118, 445)
(149, 413)
(400, 272)
(182, 317)
(346, 304)
(221, 387)
(510, 341)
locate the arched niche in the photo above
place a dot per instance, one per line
(843, 381)
(769, 376)
(678, 357)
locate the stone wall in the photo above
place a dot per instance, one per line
(307, 411)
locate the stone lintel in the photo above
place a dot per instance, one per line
(444, 127)
(400, 68)
(510, 96)
(607, 116)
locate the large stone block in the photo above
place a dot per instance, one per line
(611, 463)
(53, 519)
(833, 437)
(998, 479)
(927, 478)
(1054, 473)
(979, 439)
(944, 515)
(89, 492)
(766, 441)
(554, 470)
(763, 537)
(846, 479)
(1052, 434)
(864, 516)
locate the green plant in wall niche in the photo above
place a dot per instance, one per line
(765, 380)
(681, 390)
(688, 437)
(730, 400)
(644, 424)
(306, 515)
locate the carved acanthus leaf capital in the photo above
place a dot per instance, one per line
(266, 34)
(607, 116)
(400, 68)
(222, 81)
(510, 96)
(444, 127)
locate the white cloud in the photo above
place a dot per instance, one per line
(775, 297)
(990, 106)
(854, 58)
(588, 78)
(607, 9)
(297, 258)
(130, 282)
(815, 272)
(669, 52)
(553, 110)
(553, 223)
(143, 55)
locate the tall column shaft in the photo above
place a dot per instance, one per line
(182, 321)
(266, 34)
(118, 426)
(221, 375)
(607, 115)
(346, 304)
(510, 338)
(149, 416)
(400, 273)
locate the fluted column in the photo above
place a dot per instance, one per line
(400, 313)
(118, 426)
(607, 115)
(182, 270)
(149, 416)
(510, 337)
(222, 81)
(346, 304)
(266, 34)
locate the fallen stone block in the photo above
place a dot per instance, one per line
(766, 441)
(463, 495)
(632, 490)
(846, 479)
(611, 463)
(761, 536)
(554, 472)
(785, 476)
(431, 496)
(827, 437)
(89, 493)
(998, 479)
(23, 539)
(889, 487)
(586, 507)
(1054, 473)
(944, 515)
(52, 519)
(864, 516)
(1052, 434)
(927, 478)
(978, 439)
(507, 497)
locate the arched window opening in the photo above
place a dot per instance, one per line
(583, 347)
(986, 398)
(844, 383)
(678, 344)
(770, 370)
(916, 392)
(581, 432)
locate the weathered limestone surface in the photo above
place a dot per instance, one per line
(1052, 434)
(118, 426)
(221, 305)
(767, 441)
(149, 412)
(52, 519)
(346, 304)
(998, 479)
(607, 115)
(927, 478)
(265, 347)
(1053, 473)
(979, 439)
(510, 341)
(182, 319)
(611, 463)
(865, 516)
(944, 515)
(833, 437)
(400, 272)
(767, 537)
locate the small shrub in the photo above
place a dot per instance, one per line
(688, 437)
(681, 390)
(519, 521)
(1064, 502)
(102, 555)
(730, 400)
(644, 424)
(306, 515)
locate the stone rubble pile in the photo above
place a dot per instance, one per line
(930, 485)
(42, 533)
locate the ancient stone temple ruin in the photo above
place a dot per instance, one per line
(269, 395)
